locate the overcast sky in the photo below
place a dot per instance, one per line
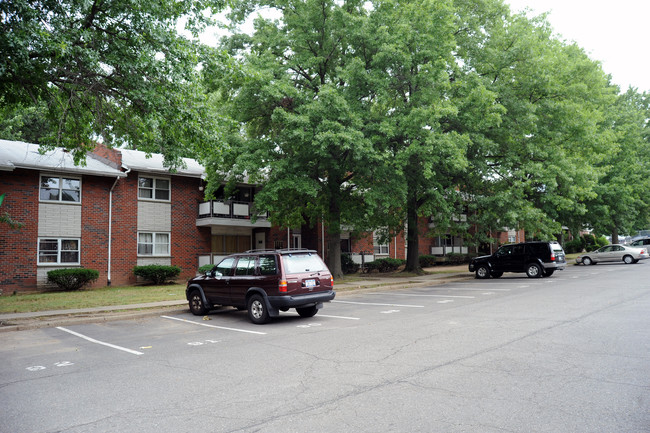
(614, 32)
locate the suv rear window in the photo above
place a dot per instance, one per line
(297, 263)
(538, 249)
(267, 265)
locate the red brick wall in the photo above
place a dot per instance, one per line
(401, 246)
(362, 242)
(396, 245)
(94, 225)
(425, 242)
(18, 247)
(124, 248)
(187, 240)
(108, 156)
(276, 234)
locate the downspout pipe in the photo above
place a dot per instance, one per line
(110, 227)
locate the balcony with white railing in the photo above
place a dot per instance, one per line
(459, 218)
(231, 213)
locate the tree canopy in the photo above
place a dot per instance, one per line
(367, 115)
(534, 170)
(115, 71)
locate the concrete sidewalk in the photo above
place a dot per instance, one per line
(42, 319)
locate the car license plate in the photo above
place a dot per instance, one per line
(310, 283)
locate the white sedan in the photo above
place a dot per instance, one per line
(613, 253)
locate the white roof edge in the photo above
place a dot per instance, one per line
(20, 155)
(71, 170)
(155, 163)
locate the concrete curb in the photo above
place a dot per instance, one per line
(48, 319)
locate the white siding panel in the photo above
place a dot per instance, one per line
(154, 217)
(41, 276)
(59, 220)
(144, 261)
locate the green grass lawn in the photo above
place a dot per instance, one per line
(22, 303)
(107, 296)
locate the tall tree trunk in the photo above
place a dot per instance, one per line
(412, 236)
(615, 235)
(334, 237)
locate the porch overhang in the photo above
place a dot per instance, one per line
(232, 222)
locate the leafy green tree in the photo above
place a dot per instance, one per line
(103, 68)
(5, 218)
(534, 170)
(299, 105)
(23, 122)
(620, 205)
(414, 93)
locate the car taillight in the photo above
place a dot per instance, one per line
(332, 281)
(552, 256)
(282, 287)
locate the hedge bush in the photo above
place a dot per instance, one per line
(157, 274)
(586, 243)
(73, 278)
(574, 246)
(205, 268)
(384, 265)
(427, 261)
(347, 264)
(457, 258)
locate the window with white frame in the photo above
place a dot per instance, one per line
(153, 244)
(379, 248)
(60, 189)
(154, 188)
(58, 251)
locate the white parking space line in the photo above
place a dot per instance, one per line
(424, 295)
(381, 305)
(213, 326)
(339, 317)
(461, 289)
(92, 340)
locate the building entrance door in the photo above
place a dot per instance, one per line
(260, 241)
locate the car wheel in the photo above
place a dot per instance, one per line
(533, 270)
(587, 261)
(196, 303)
(482, 272)
(496, 274)
(548, 273)
(628, 260)
(257, 312)
(307, 311)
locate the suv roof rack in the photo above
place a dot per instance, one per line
(277, 250)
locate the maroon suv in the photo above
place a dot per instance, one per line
(264, 283)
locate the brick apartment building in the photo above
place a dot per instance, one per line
(122, 209)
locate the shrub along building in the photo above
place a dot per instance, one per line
(123, 209)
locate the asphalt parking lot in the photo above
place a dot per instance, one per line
(566, 353)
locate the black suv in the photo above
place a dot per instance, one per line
(264, 282)
(536, 259)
